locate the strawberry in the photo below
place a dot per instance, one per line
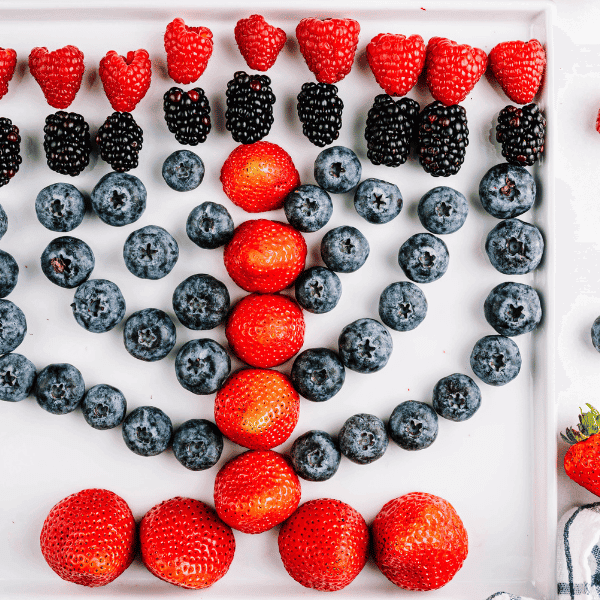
(58, 73)
(184, 542)
(452, 69)
(328, 46)
(419, 541)
(265, 256)
(396, 61)
(257, 177)
(126, 79)
(257, 408)
(518, 68)
(188, 50)
(259, 42)
(89, 537)
(8, 62)
(324, 545)
(256, 490)
(265, 330)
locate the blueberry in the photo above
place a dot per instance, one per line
(17, 377)
(13, 326)
(201, 366)
(315, 456)
(9, 273)
(377, 201)
(423, 258)
(318, 290)
(150, 252)
(413, 425)
(456, 397)
(3, 222)
(209, 225)
(59, 388)
(513, 308)
(337, 169)
(60, 207)
(98, 305)
(496, 359)
(183, 171)
(119, 199)
(344, 249)
(363, 439)
(596, 334)
(103, 406)
(365, 346)
(308, 208)
(201, 302)
(443, 210)
(67, 261)
(514, 247)
(197, 444)
(402, 306)
(318, 374)
(149, 334)
(507, 191)
(147, 431)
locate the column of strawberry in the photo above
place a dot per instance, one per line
(10, 140)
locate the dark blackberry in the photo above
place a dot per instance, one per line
(10, 147)
(521, 131)
(390, 130)
(442, 138)
(249, 113)
(120, 141)
(320, 111)
(67, 143)
(187, 115)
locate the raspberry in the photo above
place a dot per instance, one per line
(259, 42)
(126, 79)
(8, 62)
(188, 50)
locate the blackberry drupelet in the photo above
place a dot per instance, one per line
(249, 113)
(67, 143)
(187, 115)
(521, 131)
(320, 112)
(10, 148)
(390, 130)
(120, 141)
(442, 138)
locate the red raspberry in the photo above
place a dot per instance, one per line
(259, 42)
(188, 50)
(126, 79)
(8, 61)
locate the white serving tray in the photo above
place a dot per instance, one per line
(498, 469)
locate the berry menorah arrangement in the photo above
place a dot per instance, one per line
(309, 249)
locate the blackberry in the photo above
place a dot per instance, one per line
(390, 130)
(320, 111)
(249, 113)
(10, 147)
(67, 143)
(521, 131)
(120, 141)
(442, 138)
(187, 115)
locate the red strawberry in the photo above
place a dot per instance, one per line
(58, 73)
(518, 68)
(89, 538)
(259, 42)
(188, 50)
(8, 62)
(257, 177)
(265, 330)
(324, 545)
(126, 79)
(257, 408)
(265, 256)
(419, 541)
(328, 46)
(452, 69)
(396, 61)
(256, 491)
(184, 542)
